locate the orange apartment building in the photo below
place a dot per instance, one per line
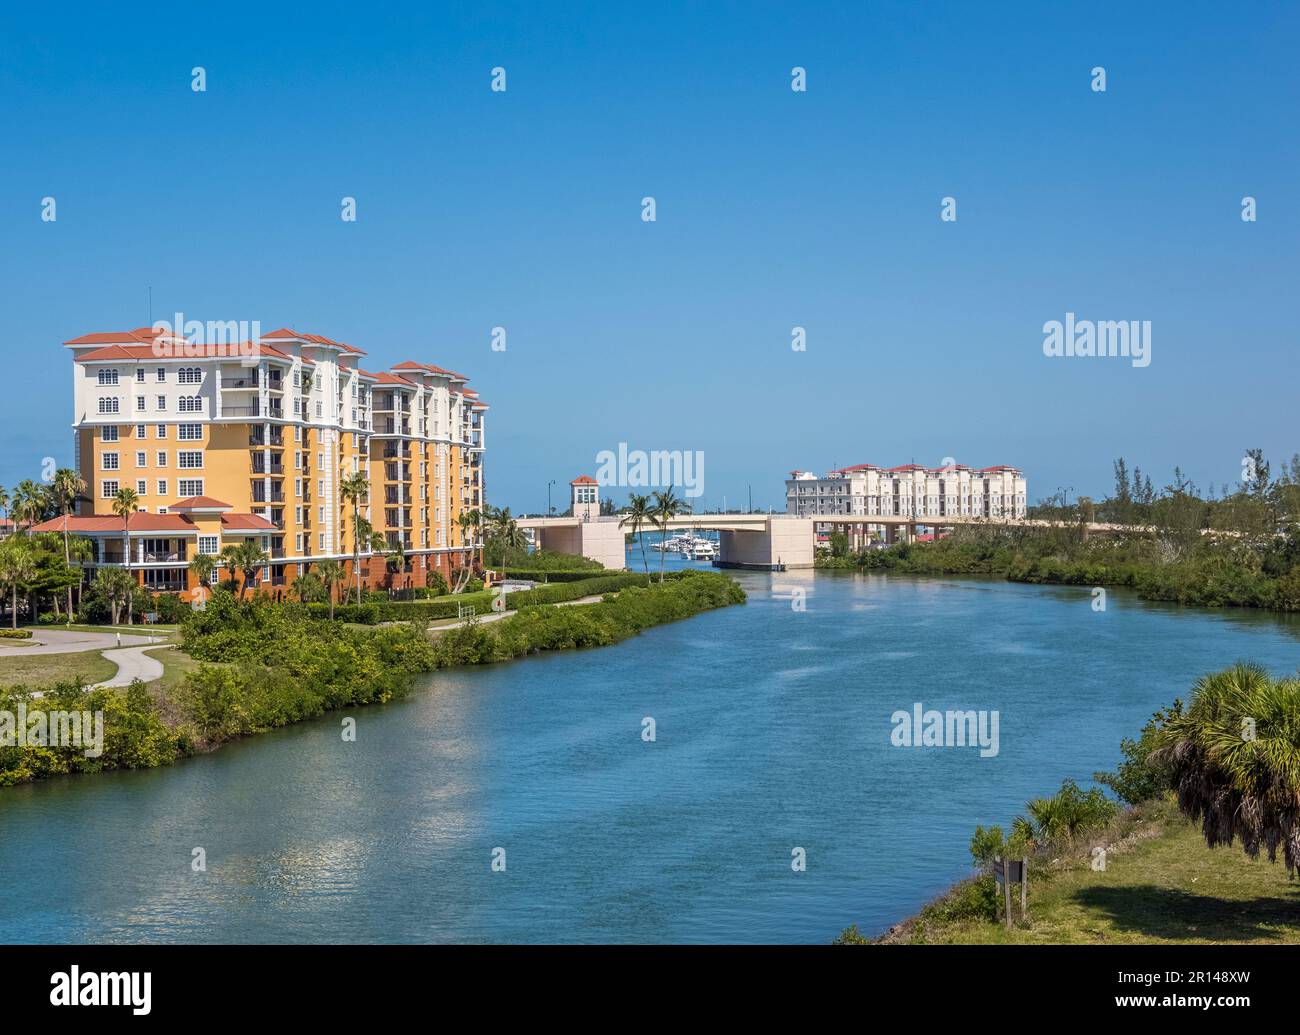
(243, 440)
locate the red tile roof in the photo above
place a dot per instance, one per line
(199, 503)
(245, 522)
(585, 479)
(107, 524)
(385, 378)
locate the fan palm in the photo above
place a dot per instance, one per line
(353, 489)
(506, 534)
(17, 568)
(637, 517)
(202, 566)
(126, 503)
(331, 573)
(247, 557)
(666, 506)
(1234, 756)
(66, 489)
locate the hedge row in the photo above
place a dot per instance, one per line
(561, 575)
(449, 606)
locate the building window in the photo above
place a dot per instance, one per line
(162, 374)
(188, 487)
(109, 489)
(141, 458)
(189, 432)
(208, 545)
(189, 375)
(191, 404)
(189, 459)
(108, 433)
(162, 431)
(162, 402)
(107, 377)
(108, 405)
(108, 461)
(139, 402)
(162, 458)
(162, 486)
(139, 375)
(322, 540)
(141, 487)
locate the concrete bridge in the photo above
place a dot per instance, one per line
(759, 541)
(768, 542)
(764, 542)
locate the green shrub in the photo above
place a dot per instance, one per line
(15, 634)
(636, 607)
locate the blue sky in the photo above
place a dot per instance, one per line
(775, 209)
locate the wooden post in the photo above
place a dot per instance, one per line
(1006, 891)
(1024, 888)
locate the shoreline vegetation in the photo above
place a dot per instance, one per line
(1134, 867)
(1237, 547)
(263, 664)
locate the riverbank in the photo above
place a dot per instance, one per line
(1160, 884)
(1200, 571)
(249, 667)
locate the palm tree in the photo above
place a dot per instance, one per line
(1234, 756)
(506, 534)
(247, 557)
(202, 565)
(354, 488)
(30, 503)
(331, 573)
(115, 586)
(4, 503)
(81, 550)
(126, 503)
(17, 568)
(66, 488)
(666, 506)
(638, 516)
(467, 519)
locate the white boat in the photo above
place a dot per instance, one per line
(703, 550)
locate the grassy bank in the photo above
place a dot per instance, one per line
(37, 670)
(252, 666)
(1206, 851)
(1161, 884)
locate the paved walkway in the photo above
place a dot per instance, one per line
(65, 641)
(132, 664)
(496, 616)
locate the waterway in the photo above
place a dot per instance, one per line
(772, 733)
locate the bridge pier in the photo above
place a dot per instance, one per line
(782, 543)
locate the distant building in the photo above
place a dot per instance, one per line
(909, 490)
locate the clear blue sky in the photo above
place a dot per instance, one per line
(775, 209)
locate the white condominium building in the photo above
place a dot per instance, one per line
(910, 490)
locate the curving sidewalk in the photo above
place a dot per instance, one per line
(63, 641)
(132, 664)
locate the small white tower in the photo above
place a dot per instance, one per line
(586, 498)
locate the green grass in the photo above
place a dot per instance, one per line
(39, 670)
(1161, 884)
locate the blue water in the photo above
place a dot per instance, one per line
(772, 733)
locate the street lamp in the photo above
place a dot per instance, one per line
(549, 509)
